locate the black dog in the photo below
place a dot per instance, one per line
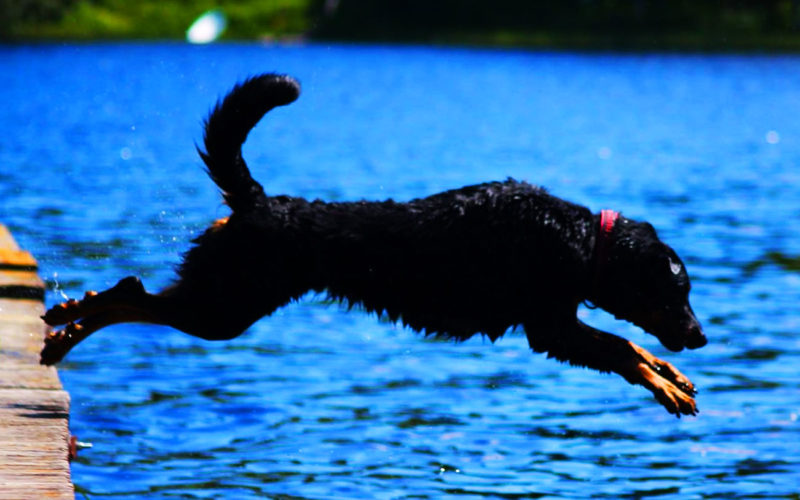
(480, 259)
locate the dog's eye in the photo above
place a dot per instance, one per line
(675, 267)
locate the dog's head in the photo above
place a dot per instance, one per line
(642, 280)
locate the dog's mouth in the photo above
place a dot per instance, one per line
(693, 338)
(675, 337)
(690, 336)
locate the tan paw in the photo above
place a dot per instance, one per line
(675, 399)
(666, 371)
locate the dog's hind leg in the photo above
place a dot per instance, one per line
(592, 348)
(200, 309)
(125, 302)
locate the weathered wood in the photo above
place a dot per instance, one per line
(7, 241)
(34, 408)
(20, 284)
(19, 260)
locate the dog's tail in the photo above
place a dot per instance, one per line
(226, 129)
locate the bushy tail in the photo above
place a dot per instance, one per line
(226, 129)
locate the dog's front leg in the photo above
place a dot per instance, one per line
(589, 347)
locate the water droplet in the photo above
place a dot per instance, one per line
(773, 137)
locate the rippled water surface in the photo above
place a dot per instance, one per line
(99, 178)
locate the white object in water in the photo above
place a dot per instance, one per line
(207, 28)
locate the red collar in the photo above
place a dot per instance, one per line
(608, 218)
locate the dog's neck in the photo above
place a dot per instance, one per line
(608, 218)
(602, 244)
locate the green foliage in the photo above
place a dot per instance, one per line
(159, 19)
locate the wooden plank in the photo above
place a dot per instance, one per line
(21, 330)
(7, 241)
(20, 277)
(34, 408)
(17, 260)
(20, 284)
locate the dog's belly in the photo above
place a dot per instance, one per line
(437, 297)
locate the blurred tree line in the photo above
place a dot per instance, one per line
(520, 22)
(147, 19)
(17, 11)
(431, 18)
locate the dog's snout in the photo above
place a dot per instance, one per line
(696, 339)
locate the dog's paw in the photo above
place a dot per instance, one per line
(670, 373)
(665, 370)
(57, 344)
(671, 388)
(68, 311)
(676, 398)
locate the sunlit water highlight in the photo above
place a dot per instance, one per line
(99, 178)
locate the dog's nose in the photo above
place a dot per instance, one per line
(696, 339)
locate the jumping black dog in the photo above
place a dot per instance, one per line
(482, 259)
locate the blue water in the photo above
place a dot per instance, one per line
(100, 180)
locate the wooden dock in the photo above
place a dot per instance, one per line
(34, 408)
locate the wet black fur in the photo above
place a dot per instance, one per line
(476, 260)
(481, 259)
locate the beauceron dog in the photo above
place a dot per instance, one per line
(481, 259)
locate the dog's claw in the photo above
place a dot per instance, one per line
(688, 389)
